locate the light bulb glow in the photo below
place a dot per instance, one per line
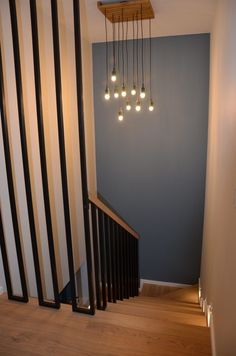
(120, 115)
(113, 75)
(116, 93)
(123, 92)
(138, 106)
(107, 94)
(128, 106)
(151, 106)
(133, 91)
(142, 93)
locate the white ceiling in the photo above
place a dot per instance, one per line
(172, 17)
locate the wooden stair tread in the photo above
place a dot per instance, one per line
(135, 327)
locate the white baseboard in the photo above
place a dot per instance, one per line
(160, 283)
(1, 290)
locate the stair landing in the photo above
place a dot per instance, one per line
(172, 324)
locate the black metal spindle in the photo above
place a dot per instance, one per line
(136, 268)
(11, 192)
(41, 136)
(133, 262)
(118, 290)
(127, 262)
(130, 267)
(102, 257)
(108, 256)
(138, 271)
(96, 255)
(24, 149)
(62, 149)
(84, 183)
(121, 262)
(126, 295)
(113, 261)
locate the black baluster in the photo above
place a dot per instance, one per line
(42, 150)
(102, 257)
(96, 255)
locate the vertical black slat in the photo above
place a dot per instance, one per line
(126, 296)
(118, 294)
(135, 267)
(84, 183)
(130, 267)
(138, 272)
(128, 262)
(121, 262)
(60, 122)
(102, 257)
(96, 255)
(138, 277)
(21, 116)
(136, 264)
(132, 264)
(38, 93)
(11, 192)
(108, 256)
(113, 261)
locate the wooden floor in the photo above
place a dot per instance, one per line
(164, 326)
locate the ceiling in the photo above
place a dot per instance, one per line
(172, 17)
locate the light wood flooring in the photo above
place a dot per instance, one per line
(172, 324)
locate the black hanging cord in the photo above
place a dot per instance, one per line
(126, 47)
(150, 56)
(118, 44)
(123, 59)
(107, 69)
(142, 46)
(133, 52)
(114, 47)
(137, 48)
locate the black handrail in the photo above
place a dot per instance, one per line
(115, 251)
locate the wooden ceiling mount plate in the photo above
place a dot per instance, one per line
(131, 10)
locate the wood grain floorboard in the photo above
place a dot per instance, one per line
(135, 327)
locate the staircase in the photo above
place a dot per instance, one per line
(172, 324)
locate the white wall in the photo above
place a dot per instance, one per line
(50, 119)
(218, 271)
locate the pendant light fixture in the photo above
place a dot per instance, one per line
(142, 92)
(151, 104)
(113, 73)
(116, 93)
(120, 115)
(133, 90)
(128, 104)
(138, 104)
(123, 90)
(107, 91)
(129, 84)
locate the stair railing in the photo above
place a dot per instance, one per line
(115, 252)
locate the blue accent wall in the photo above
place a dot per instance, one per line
(151, 167)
